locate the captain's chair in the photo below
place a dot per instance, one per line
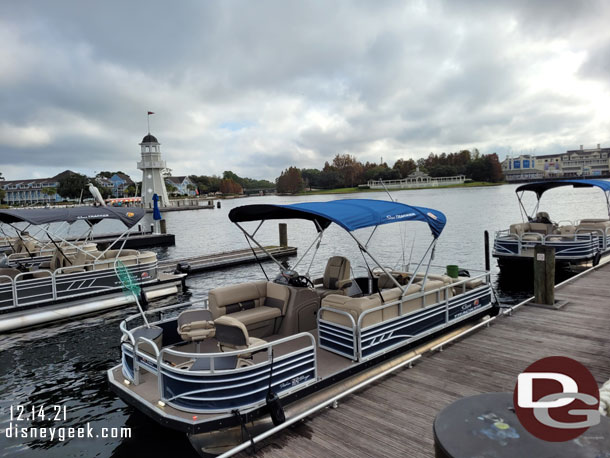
(196, 325)
(543, 217)
(232, 334)
(336, 277)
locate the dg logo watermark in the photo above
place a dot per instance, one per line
(556, 399)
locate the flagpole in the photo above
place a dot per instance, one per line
(148, 121)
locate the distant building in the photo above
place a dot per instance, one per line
(32, 191)
(417, 179)
(182, 185)
(579, 163)
(521, 168)
(120, 183)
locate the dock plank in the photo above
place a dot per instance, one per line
(393, 417)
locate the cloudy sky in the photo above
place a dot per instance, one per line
(256, 86)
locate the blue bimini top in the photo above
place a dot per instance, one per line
(350, 214)
(539, 187)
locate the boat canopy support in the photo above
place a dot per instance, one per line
(350, 214)
(540, 187)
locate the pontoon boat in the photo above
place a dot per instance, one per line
(258, 352)
(47, 277)
(575, 242)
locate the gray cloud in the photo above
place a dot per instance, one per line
(255, 87)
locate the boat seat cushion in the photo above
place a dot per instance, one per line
(251, 303)
(256, 315)
(470, 284)
(594, 225)
(568, 229)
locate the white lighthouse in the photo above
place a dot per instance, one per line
(152, 166)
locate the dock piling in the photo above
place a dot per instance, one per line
(544, 275)
(487, 259)
(283, 227)
(163, 226)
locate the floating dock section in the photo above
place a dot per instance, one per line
(135, 240)
(394, 417)
(204, 263)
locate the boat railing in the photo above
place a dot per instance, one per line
(221, 381)
(603, 239)
(26, 286)
(442, 295)
(586, 237)
(353, 341)
(155, 317)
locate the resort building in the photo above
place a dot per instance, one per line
(183, 185)
(32, 191)
(581, 163)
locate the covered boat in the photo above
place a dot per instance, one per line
(260, 352)
(46, 277)
(576, 242)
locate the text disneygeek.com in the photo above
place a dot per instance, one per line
(60, 433)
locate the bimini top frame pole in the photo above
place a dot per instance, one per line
(350, 214)
(540, 187)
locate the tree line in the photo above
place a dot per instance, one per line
(345, 171)
(229, 183)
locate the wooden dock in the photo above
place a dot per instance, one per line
(394, 417)
(227, 259)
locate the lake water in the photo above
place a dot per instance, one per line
(65, 364)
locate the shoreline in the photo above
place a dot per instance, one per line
(474, 184)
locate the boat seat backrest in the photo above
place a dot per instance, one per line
(593, 225)
(147, 256)
(196, 325)
(112, 254)
(25, 246)
(519, 228)
(567, 229)
(277, 296)
(356, 306)
(541, 228)
(233, 335)
(337, 269)
(8, 272)
(234, 298)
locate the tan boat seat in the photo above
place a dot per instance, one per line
(356, 306)
(594, 225)
(470, 284)
(256, 315)
(336, 277)
(8, 272)
(232, 334)
(196, 325)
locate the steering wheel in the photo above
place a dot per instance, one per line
(301, 281)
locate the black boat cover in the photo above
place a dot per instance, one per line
(93, 215)
(539, 187)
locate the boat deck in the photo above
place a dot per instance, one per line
(394, 417)
(328, 364)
